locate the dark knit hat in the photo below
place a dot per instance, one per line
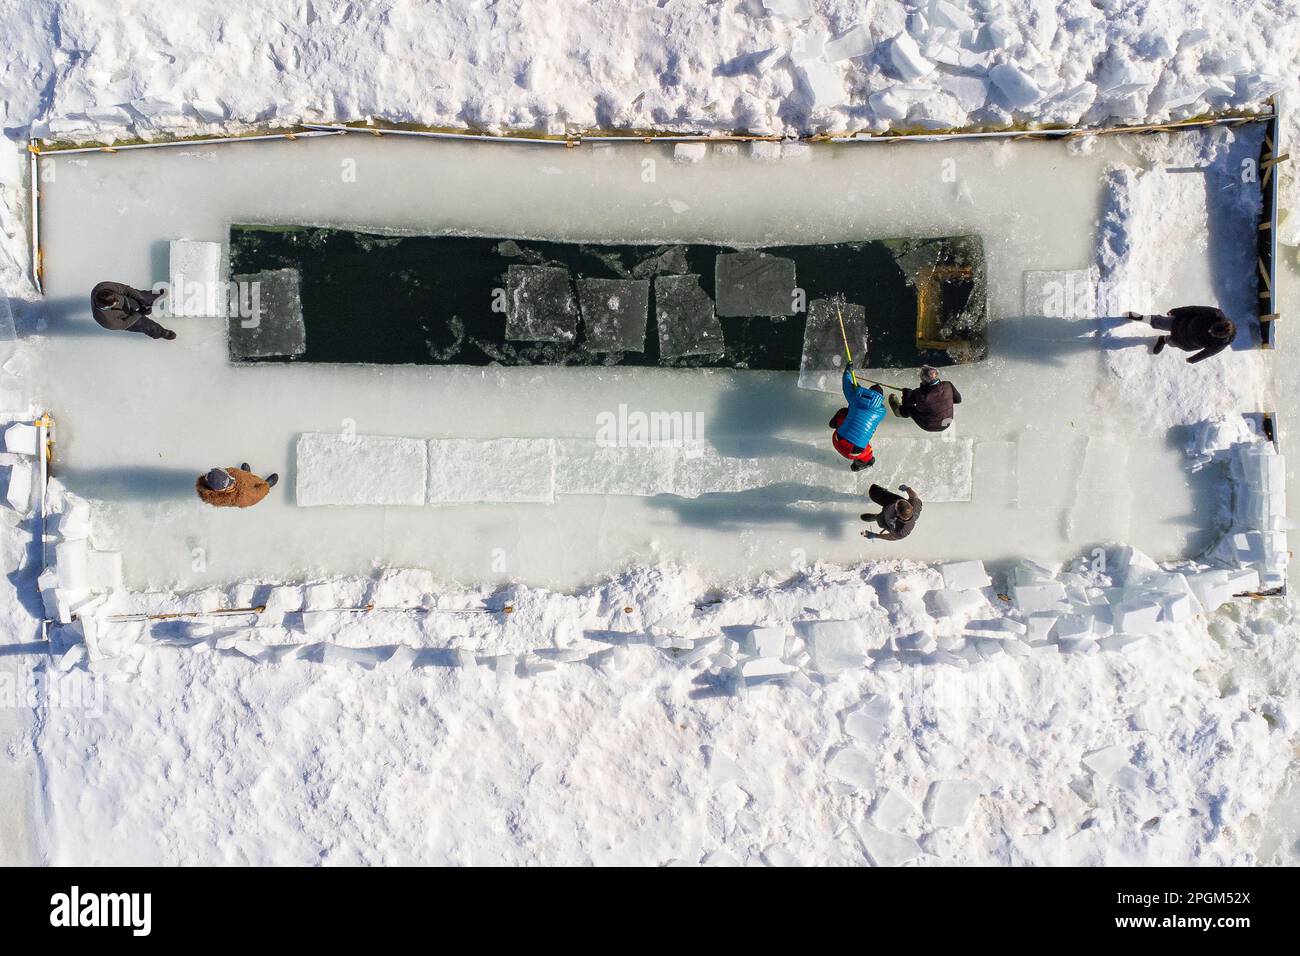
(218, 479)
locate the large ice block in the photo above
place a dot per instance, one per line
(586, 467)
(540, 305)
(338, 469)
(491, 469)
(754, 283)
(268, 322)
(687, 325)
(823, 360)
(194, 274)
(614, 312)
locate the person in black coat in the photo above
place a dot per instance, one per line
(931, 405)
(897, 515)
(120, 308)
(1202, 329)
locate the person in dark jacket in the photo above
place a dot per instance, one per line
(897, 514)
(233, 487)
(1202, 329)
(120, 308)
(931, 405)
(856, 423)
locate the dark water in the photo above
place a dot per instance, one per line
(374, 299)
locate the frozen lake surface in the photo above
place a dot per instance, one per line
(1046, 459)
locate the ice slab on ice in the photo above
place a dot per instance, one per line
(194, 271)
(539, 304)
(822, 364)
(275, 327)
(586, 467)
(1059, 294)
(614, 312)
(892, 810)
(687, 324)
(338, 469)
(18, 487)
(491, 469)
(754, 283)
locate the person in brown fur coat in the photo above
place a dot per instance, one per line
(233, 487)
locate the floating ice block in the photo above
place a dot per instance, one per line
(268, 322)
(335, 469)
(687, 324)
(822, 365)
(754, 283)
(465, 470)
(540, 304)
(614, 313)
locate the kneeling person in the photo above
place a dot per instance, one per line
(897, 515)
(855, 424)
(234, 487)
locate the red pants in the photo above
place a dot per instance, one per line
(846, 448)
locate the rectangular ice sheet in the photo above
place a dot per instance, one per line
(614, 312)
(940, 470)
(823, 359)
(540, 305)
(754, 283)
(273, 327)
(507, 470)
(337, 469)
(687, 325)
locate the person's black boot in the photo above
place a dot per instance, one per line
(169, 335)
(244, 467)
(1135, 316)
(860, 465)
(272, 480)
(1160, 345)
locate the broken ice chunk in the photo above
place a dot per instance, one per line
(18, 488)
(822, 364)
(268, 320)
(21, 439)
(767, 641)
(690, 153)
(614, 312)
(888, 849)
(1017, 88)
(892, 810)
(1140, 616)
(834, 645)
(854, 42)
(539, 304)
(822, 84)
(949, 802)
(687, 325)
(964, 575)
(1048, 596)
(1106, 762)
(789, 9)
(853, 767)
(906, 58)
(754, 283)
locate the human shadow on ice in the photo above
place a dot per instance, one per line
(750, 415)
(787, 503)
(1047, 340)
(132, 482)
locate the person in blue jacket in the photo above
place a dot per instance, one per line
(855, 424)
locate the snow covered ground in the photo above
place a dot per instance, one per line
(341, 739)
